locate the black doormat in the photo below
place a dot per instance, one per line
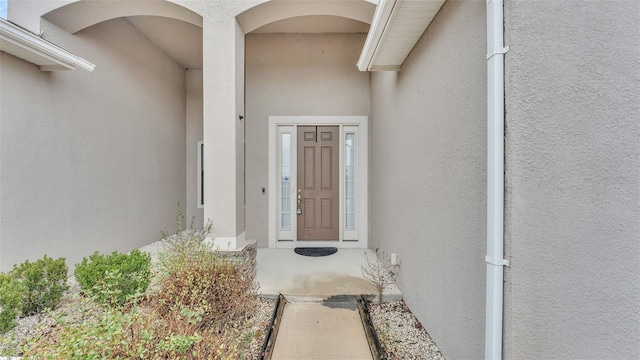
(315, 251)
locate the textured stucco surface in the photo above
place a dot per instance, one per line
(428, 176)
(194, 134)
(573, 181)
(295, 74)
(221, 128)
(240, 128)
(90, 161)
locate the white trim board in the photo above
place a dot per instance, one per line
(199, 179)
(360, 124)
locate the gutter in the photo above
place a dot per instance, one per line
(495, 180)
(30, 47)
(381, 19)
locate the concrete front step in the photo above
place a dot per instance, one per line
(281, 271)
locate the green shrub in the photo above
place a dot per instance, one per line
(131, 274)
(44, 281)
(10, 300)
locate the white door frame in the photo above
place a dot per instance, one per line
(358, 125)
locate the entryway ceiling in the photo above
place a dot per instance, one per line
(182, 41)
(178, 31)
(315, 24)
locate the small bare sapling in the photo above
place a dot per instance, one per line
(380, 272)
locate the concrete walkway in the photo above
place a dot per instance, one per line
(321, 330)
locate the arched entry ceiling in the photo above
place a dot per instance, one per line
(396, 26)
(277, 10)
(173, 28)
(180, 40)
(314, 24)
(177, 30)
(82, 14)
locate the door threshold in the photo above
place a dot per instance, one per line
(289, 244)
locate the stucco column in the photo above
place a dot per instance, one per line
(223, 103)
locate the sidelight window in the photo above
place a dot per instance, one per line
(350, 181)
(285, 181)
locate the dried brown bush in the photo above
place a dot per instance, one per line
(210, 290)
(202, 283)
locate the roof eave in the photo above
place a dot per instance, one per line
(28, 46)
(395, 29)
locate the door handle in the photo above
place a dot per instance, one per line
(299, 208)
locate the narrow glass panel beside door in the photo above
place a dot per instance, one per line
(350, 181)
(285, 191)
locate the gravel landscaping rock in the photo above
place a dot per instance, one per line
(28, 327)
(260, 325)
(401, 334)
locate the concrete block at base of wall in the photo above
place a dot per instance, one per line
(245, 255)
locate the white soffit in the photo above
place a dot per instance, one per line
(25, 45)
(396, 27)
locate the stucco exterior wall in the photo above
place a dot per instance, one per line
(240, 129)
(295, 74)
(572, 214)
(428, 176)
(194, 134)
(90, 161)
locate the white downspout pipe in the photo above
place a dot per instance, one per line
(495, 179)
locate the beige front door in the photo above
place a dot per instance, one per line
(318, 189)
